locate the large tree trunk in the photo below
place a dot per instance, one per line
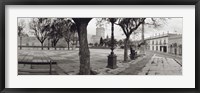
(126, 42)
(48, 44)
(73, 46)
(68, 45)
(84, 50)
(55, 47)
(84, 53)
(73, 43)
(54, 44)
(42, 45)
(20, 42)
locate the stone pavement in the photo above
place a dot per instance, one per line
(68, 61)
(178, 58)
(161, 66)
(135, 68)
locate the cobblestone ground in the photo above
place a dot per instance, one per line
(161, 66)
(68, 60)
(152, 63)
(156, 63)
(135, 68)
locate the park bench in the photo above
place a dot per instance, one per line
(39, 60)
(44, 47)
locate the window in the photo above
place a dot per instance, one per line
(156, 47)
(152, 47)
(160, 42)
(164, 42)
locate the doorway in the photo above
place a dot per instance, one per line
(165, 48)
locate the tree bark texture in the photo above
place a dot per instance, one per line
(68, 45)
(126, 42)
(20, 42)
(84, 53)
(48, 44)
(42, 45)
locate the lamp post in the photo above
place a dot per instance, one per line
(112, 58)
(143, 41)
(48, 43)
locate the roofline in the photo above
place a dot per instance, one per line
(160, 36)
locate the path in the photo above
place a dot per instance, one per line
(161, 66)
(156, 63)
(134, 69)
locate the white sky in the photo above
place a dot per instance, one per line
(171, 25)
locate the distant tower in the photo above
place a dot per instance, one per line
(100, 32)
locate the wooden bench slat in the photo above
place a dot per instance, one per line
(37, 59)
(35, 70)
(39, 63)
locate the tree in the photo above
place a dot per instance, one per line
(142, 41)
(153, 22)
(109, 42)
(41, 26)
(120, 42)
(21, 25)
(91, 44)
(96, 44)
(69, 30)
(84, 53)
(105, 42)
(56, 31)
(101, 41)
(74, 37)
(129, 25)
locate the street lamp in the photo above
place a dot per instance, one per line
(112, 58)
(48, 42)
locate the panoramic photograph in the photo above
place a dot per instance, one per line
(99, 46)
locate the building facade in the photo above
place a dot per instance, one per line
(100, 33)
(169, 43)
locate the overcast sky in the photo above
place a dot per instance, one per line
(171, 25)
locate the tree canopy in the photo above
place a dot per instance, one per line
(41, 27)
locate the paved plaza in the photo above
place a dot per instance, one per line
(161, 66)
(153, 63)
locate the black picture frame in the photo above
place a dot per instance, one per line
(98, 2)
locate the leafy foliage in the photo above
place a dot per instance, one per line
(101, 41)
(20, 27)
(56, 30)
(69, 30)
(129, 25)
(41, 26)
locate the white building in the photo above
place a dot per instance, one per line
(170, 43)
